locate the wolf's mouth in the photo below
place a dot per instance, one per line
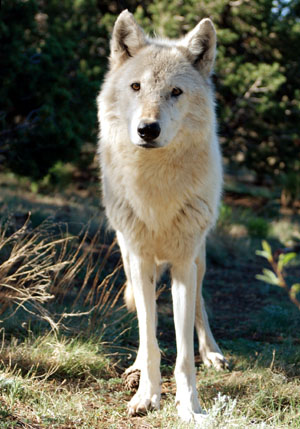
(148, 145)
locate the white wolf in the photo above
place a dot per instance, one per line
(162, 177)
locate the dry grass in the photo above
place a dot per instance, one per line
(26, 268)
(39, 266)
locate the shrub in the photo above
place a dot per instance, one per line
(48, 87)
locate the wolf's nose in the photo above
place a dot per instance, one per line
(148, 131)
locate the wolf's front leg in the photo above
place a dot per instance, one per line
(184, 295)
(143, 283)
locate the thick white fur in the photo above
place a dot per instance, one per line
(162, 201)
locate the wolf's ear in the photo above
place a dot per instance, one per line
(127, 38)
(201, 45)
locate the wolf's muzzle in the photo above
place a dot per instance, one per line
(148, 131)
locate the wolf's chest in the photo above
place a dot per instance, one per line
(154, 203)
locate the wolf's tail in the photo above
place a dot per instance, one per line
(129, 297)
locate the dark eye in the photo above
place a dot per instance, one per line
(136, 86)
(176, 92)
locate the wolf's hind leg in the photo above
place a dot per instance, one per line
(209, 350)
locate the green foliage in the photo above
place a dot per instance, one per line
(58, 176)
(295, 289)
(258, 227)
(276, 275)
(284, 259)
(266, 252)
(290, 182)
(51, 76)
(54, 57)
(268, 277)
(225, 215)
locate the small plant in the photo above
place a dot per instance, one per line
(276, 276)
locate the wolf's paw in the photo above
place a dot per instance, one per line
(140, 404)
(131, 378)
(187, 415)
(215, 359)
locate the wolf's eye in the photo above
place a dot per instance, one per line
(136, 86)
(176, 92)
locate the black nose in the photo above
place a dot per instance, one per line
(148, 131)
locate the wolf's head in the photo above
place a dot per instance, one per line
(161, 86)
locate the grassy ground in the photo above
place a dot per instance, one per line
(67, 374)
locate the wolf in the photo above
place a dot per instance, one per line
(162, 178)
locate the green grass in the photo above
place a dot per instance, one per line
(68, 375)
(65, 386)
